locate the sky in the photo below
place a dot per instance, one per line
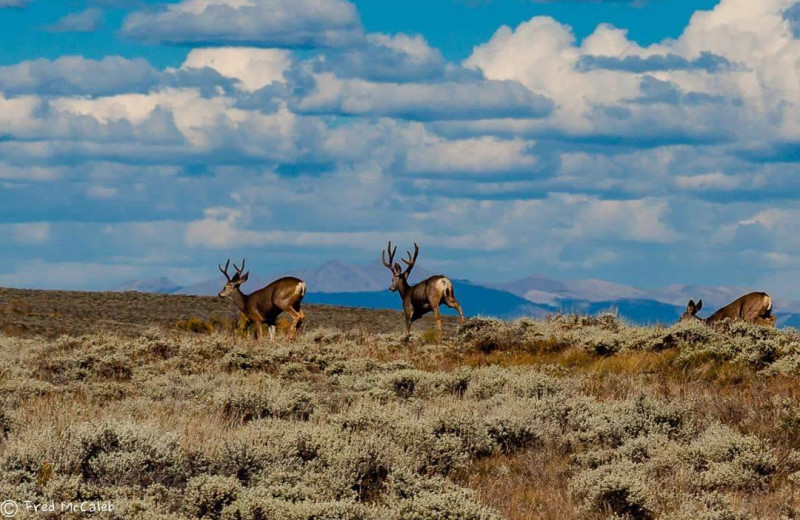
(647, 142)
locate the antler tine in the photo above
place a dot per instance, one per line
(411, 259)
(240, 269)
(391, 256)
(225, 271)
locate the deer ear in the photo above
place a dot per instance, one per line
(397, 267)
(244, 277)
(698, 306)
(691, 307)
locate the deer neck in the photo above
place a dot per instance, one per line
(405, 288)
(239, 299)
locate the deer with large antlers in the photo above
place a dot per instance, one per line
(755, 307)
(424, 297)
(266, 304)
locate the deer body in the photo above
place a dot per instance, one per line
(755, 307)
(424, 297)
(266, 304)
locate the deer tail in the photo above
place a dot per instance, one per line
(449, 292)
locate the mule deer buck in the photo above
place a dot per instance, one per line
(424, 297)
(755, 307)
(265, 304)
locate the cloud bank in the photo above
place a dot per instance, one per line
(293, 134)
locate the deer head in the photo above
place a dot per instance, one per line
(234, 281)
(399, 276)
(691, 311)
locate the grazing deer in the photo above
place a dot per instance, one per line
(755, 307)
(424, 297)
(265, 304)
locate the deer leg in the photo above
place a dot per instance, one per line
(302, 319)
(297, 320)
(453, 304)
(259, 331)
(272, 333)
(438, 316)
(766, 321)
(302, 322)
(409, 319)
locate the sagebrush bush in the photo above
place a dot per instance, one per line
(724, 458)
(121, 454)
(257, 505)
(207, 496)
(454, 505)
(708, 507)
(513, 433)
(619, 487)
(196, 325)
(269, 400)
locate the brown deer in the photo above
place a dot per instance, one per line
(265, 304)
(755, 307)
(424, 297)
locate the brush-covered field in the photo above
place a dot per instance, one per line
(53, 313)
(562, 419)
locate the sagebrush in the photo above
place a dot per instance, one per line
(607, 421)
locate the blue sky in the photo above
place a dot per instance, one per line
(452, 26)
(646, 142)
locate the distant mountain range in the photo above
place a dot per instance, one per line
(481, 301)
(339, 283)
(154, 285)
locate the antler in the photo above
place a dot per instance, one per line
(391, 256)
(225, 271)
(240, 269)
(411, 260)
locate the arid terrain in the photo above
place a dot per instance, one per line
(166, 407)
(53, 313)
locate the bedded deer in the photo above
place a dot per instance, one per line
(266, 304)
(755, 307)
(424, 297)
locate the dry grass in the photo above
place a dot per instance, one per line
(530, 485)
